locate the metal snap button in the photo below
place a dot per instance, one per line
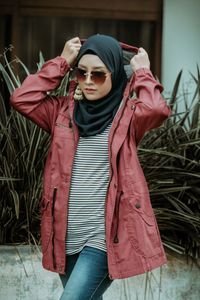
(137, 205)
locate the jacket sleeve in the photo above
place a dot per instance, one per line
(150, 108)
(31, 98)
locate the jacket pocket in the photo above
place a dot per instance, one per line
(142, 230)
(46, 224)
(63, 127)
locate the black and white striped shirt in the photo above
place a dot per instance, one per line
(89, 183)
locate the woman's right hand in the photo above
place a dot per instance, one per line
(71, 50)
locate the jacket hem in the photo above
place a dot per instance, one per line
(131, 273)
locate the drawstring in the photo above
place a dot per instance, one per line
(116, 239)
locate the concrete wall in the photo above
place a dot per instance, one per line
(23, 278)
(181, 41)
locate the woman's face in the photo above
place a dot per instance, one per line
(91, 88)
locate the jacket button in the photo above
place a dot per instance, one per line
(133, 107)
(137, 205)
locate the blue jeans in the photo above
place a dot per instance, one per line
(86, 275)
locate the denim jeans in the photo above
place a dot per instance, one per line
(86, 275)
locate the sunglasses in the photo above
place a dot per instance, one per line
(98, 77)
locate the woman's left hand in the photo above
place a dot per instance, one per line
(140, 60)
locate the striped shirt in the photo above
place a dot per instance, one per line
(89, 183)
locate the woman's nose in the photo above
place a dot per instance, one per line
(88, 78)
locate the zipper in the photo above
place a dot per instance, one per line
(53, 219)
(60, 125)
(70, 123)
(64, 126)
(76, 145)
(116, 239)
(110, 164)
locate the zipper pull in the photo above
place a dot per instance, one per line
(116, 240)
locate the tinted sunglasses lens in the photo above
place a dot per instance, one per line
(96, 77)
(80, 74)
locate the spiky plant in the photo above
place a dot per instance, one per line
(170, 156)
(23, 149)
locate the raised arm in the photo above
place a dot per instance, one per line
(32, 100)
(150, 107)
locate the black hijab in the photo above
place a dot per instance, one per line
(93, 117)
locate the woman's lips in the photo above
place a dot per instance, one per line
(87, 90)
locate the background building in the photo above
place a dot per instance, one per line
(168, 30)
(33, 25)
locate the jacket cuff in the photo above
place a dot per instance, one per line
(143, 71)
(64, 66)
(143, 77)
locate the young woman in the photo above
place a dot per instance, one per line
(97, 221)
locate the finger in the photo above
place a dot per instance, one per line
(77, 46)
(141, 50)
(76, 40)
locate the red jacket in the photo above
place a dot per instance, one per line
(132, 237)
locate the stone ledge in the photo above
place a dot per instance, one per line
(22, 277)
